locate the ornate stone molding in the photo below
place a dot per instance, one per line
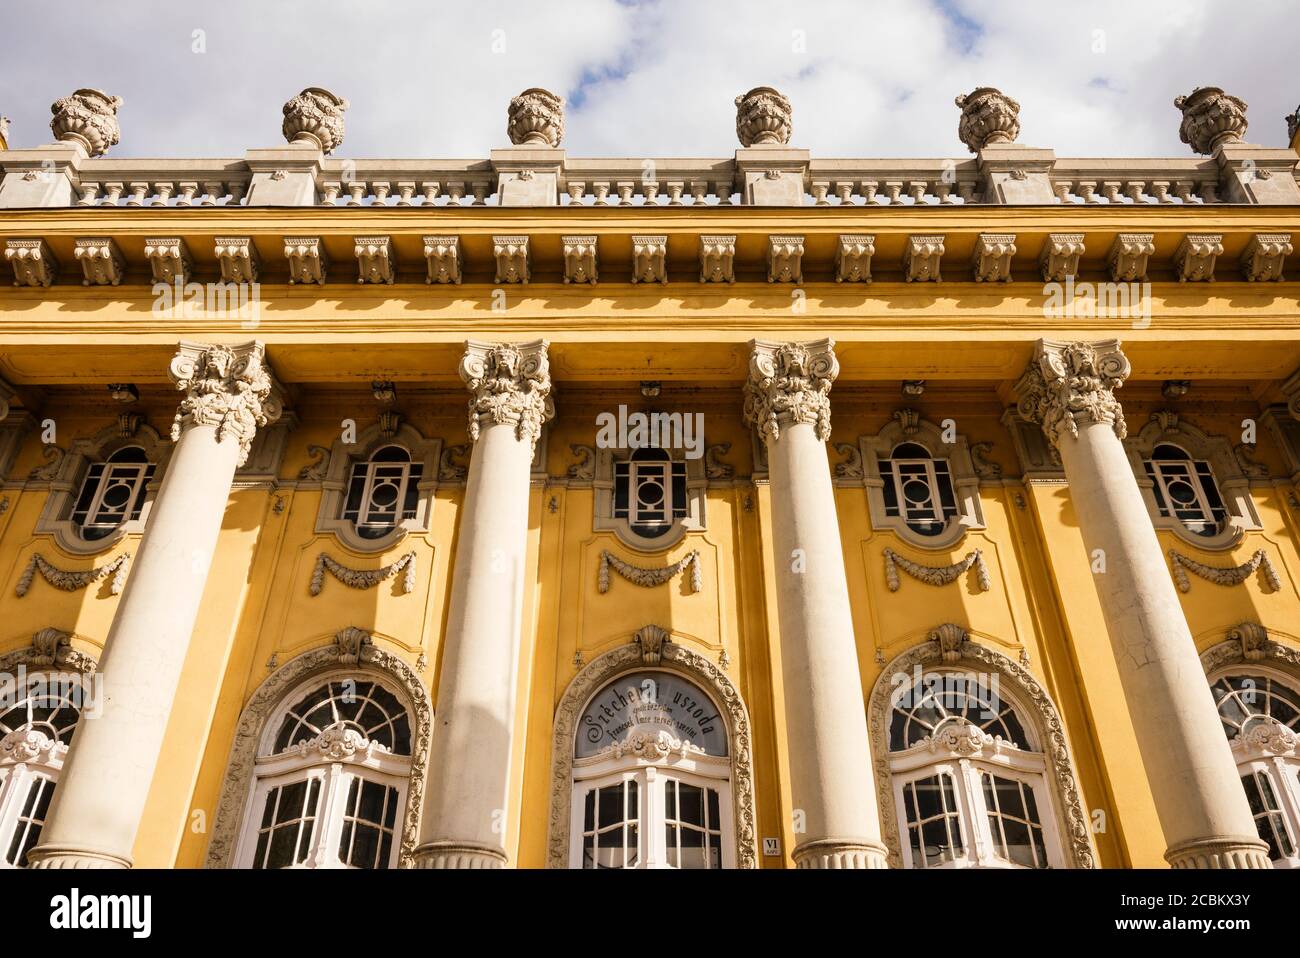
(1244, 853)
(853, 255)
(785, 259)
(511, 255)
(580, 259)
(315, 117)
(1249, 642)
(72, 581)
(1211, 118)
(449, 470)
(1067, 384)
(714, 467)
(87, 119)
(1060, 774)
(1127, 258)
(648, 578)
(584, 470)
(988, 117)
(991, 260)
(851, 467)
(763, 118)
(790, 383)
(509, 384)
(169, 259)
(604, 669)
(443, 256)
(1059, 257)
(984, 468)
(1234, 575)
(536, 118)
(1262, 259)
(922, 256)
(308, 262)
(315, 470)
(1196, 255)
(50, 647)
(237, 786)
(935, 575)
(229, 387)
(649, 259)
(102, 262)
(651, 640)
(718, 259)
(238, 258)
(362, 578)
(33, 262)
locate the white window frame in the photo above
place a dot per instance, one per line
(604, 481)
(1166, 471)
(372, 467)
(1232, 485)
(1280, 764)
(134, 474)
(921, 761)
(336, 768)
(698, 769)
(872, 450)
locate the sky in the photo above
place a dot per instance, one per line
(653, 78)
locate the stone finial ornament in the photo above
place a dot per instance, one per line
(988, 117)
(1211, 118)
(88, 119)
(536, 118)
(315, 118)
(763, 118)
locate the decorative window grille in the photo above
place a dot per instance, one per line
(383, 491)
(112, 492)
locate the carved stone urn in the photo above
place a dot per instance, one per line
(763, 118)
(988, 117)
(1210, 119)
(536, 118)
(315, 118)
(88, 119)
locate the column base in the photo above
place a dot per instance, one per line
(838, 853)
(1219, 853)
(70, 856)
(459, 855)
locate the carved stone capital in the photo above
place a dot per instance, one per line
(315, 117)
(790, 383)
(536, 118)
(763, 118)
(229, 387)
(508, 383)
(87, 119)
(988, 117)
(1068, 384)
(1211, 118)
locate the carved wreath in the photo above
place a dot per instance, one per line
(693, 666)
(648, 578)
(71, 581)
(1060, 767)
(1234, 575)
(362, 578)
(935, 575)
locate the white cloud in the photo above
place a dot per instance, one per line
(650, 78)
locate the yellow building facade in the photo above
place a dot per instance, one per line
(906, 580)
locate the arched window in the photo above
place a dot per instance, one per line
(651, 777)
(650, 492)
(1260, 711)
(330, 779)
(382, 491)
(35, 732)
(1184, 489)
(112, 493)
(969, 782)
(918, 489)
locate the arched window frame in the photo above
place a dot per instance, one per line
(908, 427)
(30, 761)
(1274, 751)
(1053, 766)
(70, 474)
(279, 692)
(338, 475)
(1165, 428)
(604, 481)
(696, 669)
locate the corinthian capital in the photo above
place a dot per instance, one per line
(509, 383)
(790, 383)
(1068, 384)
(229, 387)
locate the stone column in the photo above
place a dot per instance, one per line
(463, 824)
(788, 400)
(1069, 389)
(229, 393)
